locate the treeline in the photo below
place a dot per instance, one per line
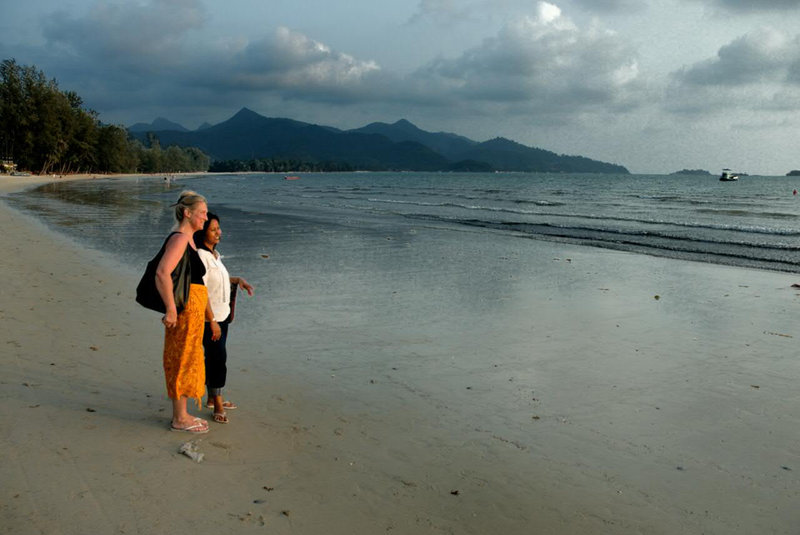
(46, 130)
(173, 159)
(273, 165)
(691, 172)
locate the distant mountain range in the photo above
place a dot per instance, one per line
(158, 125)
(377, 146)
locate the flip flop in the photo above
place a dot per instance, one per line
(227, 405)
(198, 428)
(221, 417)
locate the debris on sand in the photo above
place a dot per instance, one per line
(191, 450)
(778, 334)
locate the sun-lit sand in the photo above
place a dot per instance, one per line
(643, 395)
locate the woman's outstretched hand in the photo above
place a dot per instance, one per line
(244, 285)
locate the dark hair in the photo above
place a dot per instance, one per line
(200, 235)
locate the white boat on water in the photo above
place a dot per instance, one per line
(728, 176)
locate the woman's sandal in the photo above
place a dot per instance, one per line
(221, 417)
(227, 405)
(198, 428)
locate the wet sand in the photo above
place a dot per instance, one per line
(629, 394)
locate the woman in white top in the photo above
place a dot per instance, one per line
(218, 282)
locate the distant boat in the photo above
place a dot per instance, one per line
(728, 176)
(291, 177)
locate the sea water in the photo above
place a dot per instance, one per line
(754, 222)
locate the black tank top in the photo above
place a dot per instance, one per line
(195, 262)
(198, 268)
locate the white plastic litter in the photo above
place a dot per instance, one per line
(191, 450)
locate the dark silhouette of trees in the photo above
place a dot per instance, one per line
(278, 165)
(46, 130)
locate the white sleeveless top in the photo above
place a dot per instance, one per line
(218, 282)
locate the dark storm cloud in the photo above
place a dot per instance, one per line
(612, 6)
(794, 68)
(292, 61)
(547, 63)
(147, 36)
(754, 58)
(444, 11)
(541, 63)
(147, 55)
(454, 11)
(758, 71)
(758, 5)
(155, 52)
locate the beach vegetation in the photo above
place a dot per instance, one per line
(49, 131)
(173, 159)
(278, 165)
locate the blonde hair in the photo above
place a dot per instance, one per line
(187, 201)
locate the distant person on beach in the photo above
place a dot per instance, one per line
(183, 340)
(218, 282)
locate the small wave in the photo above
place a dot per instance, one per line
(649, 222)
(607, 234)
(747, 213)
(671, 198)
(540, 203)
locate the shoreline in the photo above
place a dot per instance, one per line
(687, 426)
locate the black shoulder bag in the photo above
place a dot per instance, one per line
(146, 292)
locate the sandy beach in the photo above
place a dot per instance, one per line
(637, 395)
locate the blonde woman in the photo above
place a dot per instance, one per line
(184, 367)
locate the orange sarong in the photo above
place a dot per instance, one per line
(184, 364)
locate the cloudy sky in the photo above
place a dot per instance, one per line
(654, 85)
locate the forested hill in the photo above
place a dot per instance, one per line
(378, 146)
(46, 130)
